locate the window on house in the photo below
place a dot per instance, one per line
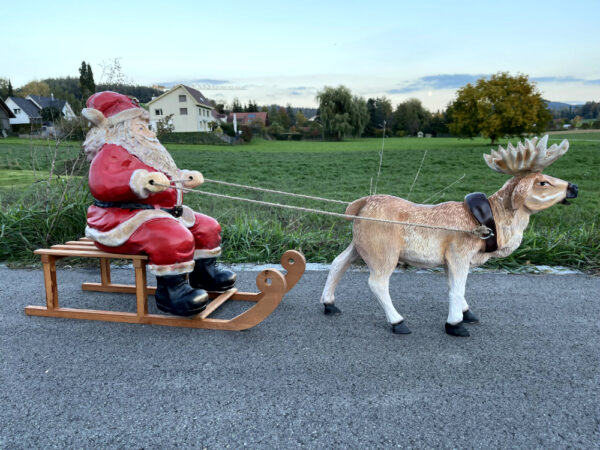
(182, 98)
(17, 111)
(251, 116)
(183, 111)
(158, 112)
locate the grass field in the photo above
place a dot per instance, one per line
(339, 170)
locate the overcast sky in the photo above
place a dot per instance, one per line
(280, 52)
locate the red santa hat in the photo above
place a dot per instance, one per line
(109, 108)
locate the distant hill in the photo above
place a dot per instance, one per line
(557, 106)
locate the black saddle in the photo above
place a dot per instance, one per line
(482, 212)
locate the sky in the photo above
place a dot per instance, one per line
(285, 52)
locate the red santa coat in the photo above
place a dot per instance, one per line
(171, 243)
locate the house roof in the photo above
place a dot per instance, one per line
(217, 115)
(45, 102)
(248, 116)
(6, 109)
(196, 95)
(27, 106)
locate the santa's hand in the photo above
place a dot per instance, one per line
(192, 178)
(143, 182)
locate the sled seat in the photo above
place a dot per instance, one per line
(271, 283)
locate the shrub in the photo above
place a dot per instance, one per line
(246, 133)
(191, 138)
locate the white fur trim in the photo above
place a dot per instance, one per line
(188, 218)
(122, 232)
(171, 269)
(210, 253)
(94, 116)
(127, 114)
(138, 181)
(99, 120)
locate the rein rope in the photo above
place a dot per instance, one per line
(481, 231)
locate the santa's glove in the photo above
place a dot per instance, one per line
(192, 178)
(143, 182)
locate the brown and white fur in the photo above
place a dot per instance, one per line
(383, 245)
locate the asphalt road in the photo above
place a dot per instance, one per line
(528, 377)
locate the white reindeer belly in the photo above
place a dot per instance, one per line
(421, 250)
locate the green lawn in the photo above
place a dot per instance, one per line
(347, 170)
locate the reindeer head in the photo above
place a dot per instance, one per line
(530, 188)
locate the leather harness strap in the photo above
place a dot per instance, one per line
(481, 210)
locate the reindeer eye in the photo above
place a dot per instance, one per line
(543, 183)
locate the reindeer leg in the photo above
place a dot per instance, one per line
(379, 284)
(338, 268)
(457, 271)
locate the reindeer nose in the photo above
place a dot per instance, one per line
(572, 190)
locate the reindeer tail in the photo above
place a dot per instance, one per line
(355, 207)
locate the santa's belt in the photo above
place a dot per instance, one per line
(176, 211)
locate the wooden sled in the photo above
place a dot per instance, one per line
(271, 283)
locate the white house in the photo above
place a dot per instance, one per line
(191, 110)
(25, 111)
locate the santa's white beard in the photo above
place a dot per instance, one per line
(149, 150)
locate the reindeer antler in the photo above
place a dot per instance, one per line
(525, 159)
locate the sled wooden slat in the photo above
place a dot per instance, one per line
(271, 283)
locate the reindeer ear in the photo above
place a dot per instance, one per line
(521, 191)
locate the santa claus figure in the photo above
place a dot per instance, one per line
(137, 210)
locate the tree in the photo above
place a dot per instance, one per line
(341, 114)
(380, 111)
(284, 119)
(359, 115)
(290, 113)
(10, 89)
(300, 119)
(86, 80)
(236, 106)
(411, 117)
(50, 113)
(165, 125)
(35, 88)
(112, 72)
(500, 106)
(5, 87)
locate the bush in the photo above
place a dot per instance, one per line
(73, 129)
(246, 133)
(199, 137)
(275, 129)
(378, 132)
(288, 136)
(228, 129)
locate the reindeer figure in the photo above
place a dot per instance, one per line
(383, 245)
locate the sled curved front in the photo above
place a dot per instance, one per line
(272, 286)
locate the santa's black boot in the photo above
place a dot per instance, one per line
(175, 296)
(207, 275)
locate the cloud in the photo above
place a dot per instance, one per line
(568, 79)
(433, 82)
(198, 81)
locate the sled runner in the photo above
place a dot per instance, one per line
(272, 285)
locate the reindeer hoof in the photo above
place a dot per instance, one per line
(400, 328)
(331, 310)
(457, 330)
(469, 317)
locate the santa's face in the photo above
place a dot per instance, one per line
(140, 126)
